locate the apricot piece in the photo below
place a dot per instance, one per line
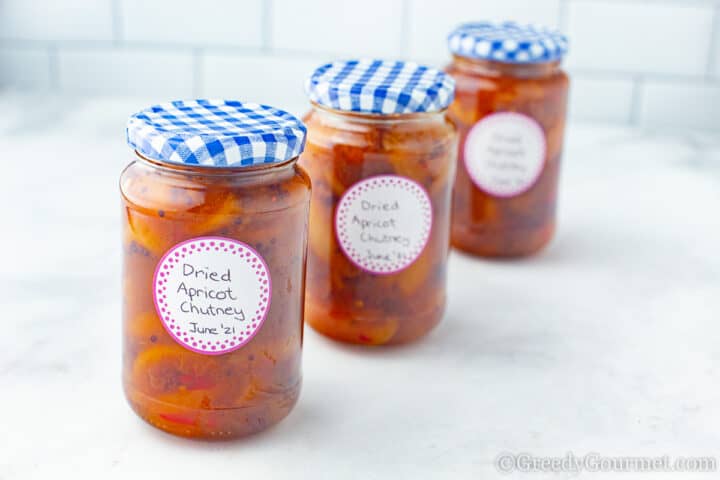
(555, 137)
(463, 112)
(224, 213)
(322, 230)
(416, 275)
(145, 328)
(143, 230)
(166, 368)
(342, 325)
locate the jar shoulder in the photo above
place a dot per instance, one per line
(467, 81)
(544, 98)
(339, 131)
(146, 186)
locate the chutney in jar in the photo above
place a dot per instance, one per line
(381, 155)
(215, 211)
(510, 110)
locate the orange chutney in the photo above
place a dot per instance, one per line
(510, 113)
(260, 211)
(379, 217)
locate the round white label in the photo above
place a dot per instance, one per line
(505, 153)
(212, 294)
(383, 223)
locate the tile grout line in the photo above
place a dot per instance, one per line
(267, 25)
(405, 28)
(610, 74)
(116, 22)
(563, 15)
(680, 3)
(198, 66)
(714, 51)
(636, 105)
(54, 68)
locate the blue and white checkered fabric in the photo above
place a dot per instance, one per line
(508, 42)
(380, 87)
(216, 133)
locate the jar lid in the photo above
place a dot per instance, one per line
(508, 42)
(216, 133)
(380, 87)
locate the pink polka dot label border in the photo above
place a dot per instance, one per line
(212, 294)
(504, 154)
(383, 223)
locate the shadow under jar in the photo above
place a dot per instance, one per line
(214, 239)
(382, 166)
(510, 110)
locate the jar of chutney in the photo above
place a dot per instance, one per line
(509, 107)
(381, 155)
(214, 215)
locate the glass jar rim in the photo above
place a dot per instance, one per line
(499, 68)
(380, 117)
(211, 170)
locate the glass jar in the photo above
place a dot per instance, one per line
(382, 173)
(509, 108)
(215, 213)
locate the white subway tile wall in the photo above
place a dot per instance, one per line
(639, 37)
(430, 21)
(367, 28)
(25, 68)
(666, 103)
(601, 99)
(126, 71)
(282, 79)
(56, 21)
(715, 56)
(193, 23)
(646, 62)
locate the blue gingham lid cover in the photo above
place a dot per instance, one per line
(380, 87)
(216, 133)
(508, 42)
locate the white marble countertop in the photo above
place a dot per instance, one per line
(608, 341)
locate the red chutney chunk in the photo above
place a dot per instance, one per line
(213, 282)
(510, 110)
(379, 216)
